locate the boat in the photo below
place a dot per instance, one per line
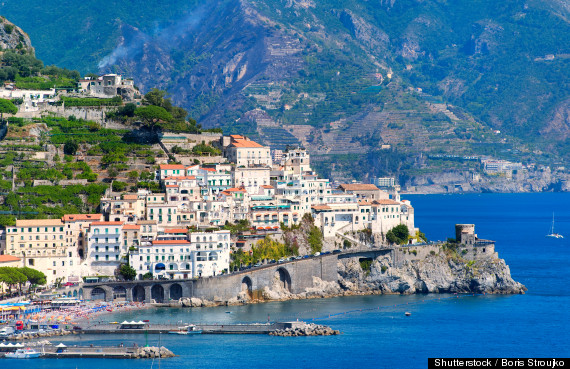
(187, 330)
(26, 353)
(408, 313)
(553, 234)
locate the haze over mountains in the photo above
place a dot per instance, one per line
(341, 77)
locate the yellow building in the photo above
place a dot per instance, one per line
(42, 245)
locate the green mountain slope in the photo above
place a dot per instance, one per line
(341, 77)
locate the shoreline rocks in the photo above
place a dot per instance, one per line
(34, 335)
(152, 353)
(306, 330)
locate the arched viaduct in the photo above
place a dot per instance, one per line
(294, 276)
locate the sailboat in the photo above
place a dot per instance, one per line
(553, 234)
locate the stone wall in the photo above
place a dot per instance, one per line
(294, 276)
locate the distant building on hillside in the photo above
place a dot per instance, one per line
(107, 86)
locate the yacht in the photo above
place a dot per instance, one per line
(553, 234)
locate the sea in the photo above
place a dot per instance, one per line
(376, 333)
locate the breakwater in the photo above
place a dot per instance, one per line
(102, 352)
(253, 328)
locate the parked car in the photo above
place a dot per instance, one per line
(317, 254)
(337, 251)
(325, 253)
(306, 256)
(281, 261)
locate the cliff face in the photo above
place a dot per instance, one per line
(13, 38)
(437, 272)
(434, 274)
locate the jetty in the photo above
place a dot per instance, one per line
(251, 328)
(101, 352)
(274, 329)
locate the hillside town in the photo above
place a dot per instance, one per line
(181, 231)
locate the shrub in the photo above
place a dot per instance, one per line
(119, 186)
(70, 147)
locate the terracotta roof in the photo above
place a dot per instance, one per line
(130, 197)
(385, 202)
(170, 242)
(171, 166)
(8, 258)
(237, 137)
(245, 143)
(320, 207)
(358, 187)
(235, 189)
(131, 226)
(178, 230)
(76, 217)
(38, 222)
(106, 223)
(170, 186)
(267, 186)
(209, 169)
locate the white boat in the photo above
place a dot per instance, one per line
(553, 234)
(27, 353)
(186, 330)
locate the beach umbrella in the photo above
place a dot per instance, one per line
(61, 345)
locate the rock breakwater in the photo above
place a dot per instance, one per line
(306, 330)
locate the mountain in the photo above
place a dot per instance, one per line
(341, 77)
(13, 38)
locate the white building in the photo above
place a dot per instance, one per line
(245, 152)
(105, 248)
(205, 254)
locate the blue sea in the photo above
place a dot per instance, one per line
(375, 331)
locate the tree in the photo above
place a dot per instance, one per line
(399, 234)
(8, 107)
(128, 272)
(133, 175)
(152, 115)
(35, 277)
(70, 148)
(154, 97)
(12, 276)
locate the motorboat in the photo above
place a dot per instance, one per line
(187, 330)
(27, 353)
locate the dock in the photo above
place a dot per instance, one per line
(101, 352)
(253, 328)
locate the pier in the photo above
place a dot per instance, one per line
(254, 328)
(101, 352)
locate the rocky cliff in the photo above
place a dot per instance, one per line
(426, 271)
(437, 273)
(540, 180)
(13, 38)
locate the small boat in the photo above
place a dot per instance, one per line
(553, 234)
(27, 353)
(408, 313)
(187, 330)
